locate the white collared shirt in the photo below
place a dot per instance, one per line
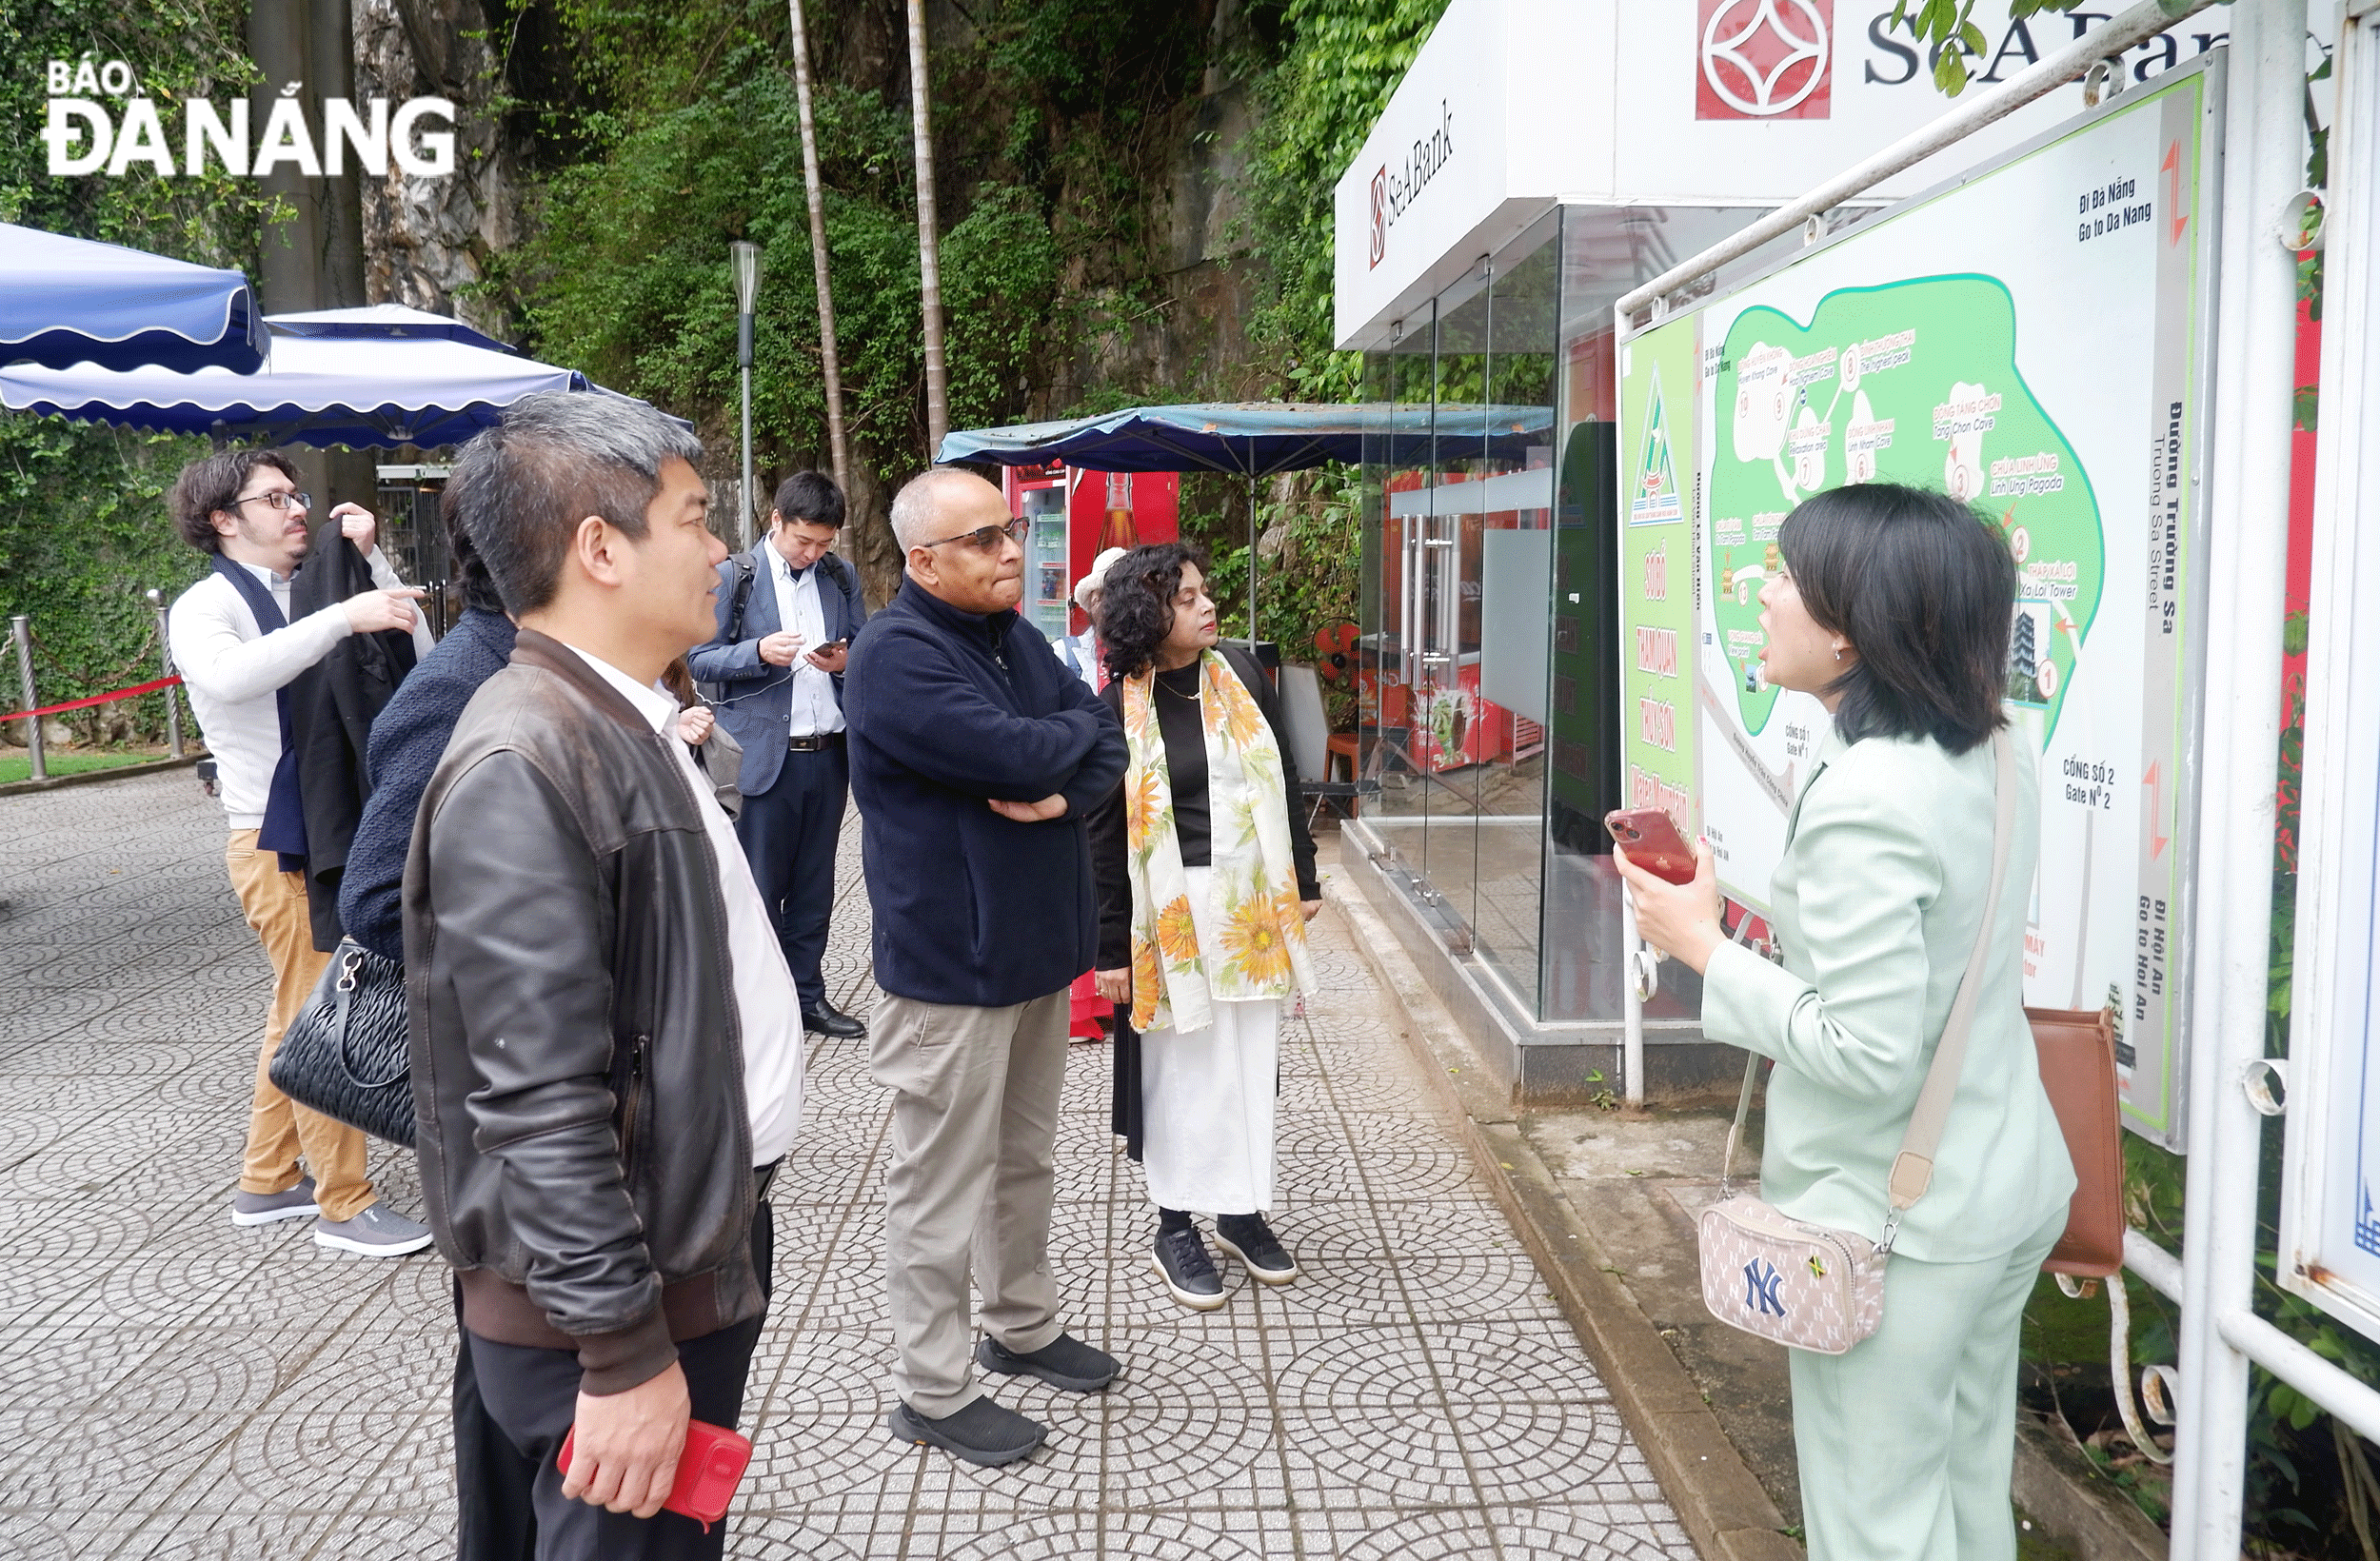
(800, 611)
(766, 1004)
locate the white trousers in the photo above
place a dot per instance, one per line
(1207, 1096)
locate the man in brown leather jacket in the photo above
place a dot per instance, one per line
(605, 1044)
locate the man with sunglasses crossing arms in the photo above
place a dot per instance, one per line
(238, 653)
(976, 757)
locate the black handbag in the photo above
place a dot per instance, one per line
(345, 1054)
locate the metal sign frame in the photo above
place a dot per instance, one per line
(2332, 1148)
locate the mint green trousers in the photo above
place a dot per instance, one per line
(1907, 1441)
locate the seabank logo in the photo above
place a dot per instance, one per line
(84, 137)
(1395, 188)
(1764, 59)
(1761, 1283)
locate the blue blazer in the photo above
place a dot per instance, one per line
(756, 700)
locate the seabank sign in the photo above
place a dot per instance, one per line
(86, 136)
(1514, 106)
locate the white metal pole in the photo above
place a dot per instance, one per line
(165, 662)
(21, 628)
(1632, 1010)
(2246, 568)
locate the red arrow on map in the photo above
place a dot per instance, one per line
(2172, 168)
(2157, 842)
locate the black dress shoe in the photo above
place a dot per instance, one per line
(832, 1022)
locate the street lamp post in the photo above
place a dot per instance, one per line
(747, 259)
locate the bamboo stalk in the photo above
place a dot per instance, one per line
(929, 266)
(828, 356)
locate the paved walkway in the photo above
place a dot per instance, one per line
(171, 1386)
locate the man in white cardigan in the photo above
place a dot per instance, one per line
(237, 652)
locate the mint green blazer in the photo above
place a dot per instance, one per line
(1888, 862)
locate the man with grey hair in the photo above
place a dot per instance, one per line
(606, 1049)
(975, 760)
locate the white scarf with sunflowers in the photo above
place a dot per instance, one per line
(1175, 983)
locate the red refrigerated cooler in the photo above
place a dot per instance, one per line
(1075, 514)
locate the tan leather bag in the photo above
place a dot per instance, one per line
(2077, 1053)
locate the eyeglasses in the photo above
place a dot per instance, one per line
(988, 538)
(281, 499)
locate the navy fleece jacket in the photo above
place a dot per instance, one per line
(409, 739)
(946, 709)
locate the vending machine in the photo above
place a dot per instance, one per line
(1076, 514)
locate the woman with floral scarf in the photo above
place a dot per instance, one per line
(1206, 881)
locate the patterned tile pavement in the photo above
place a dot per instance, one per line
(174, 1386)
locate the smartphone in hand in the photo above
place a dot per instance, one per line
(708, 1472)
(1653, 842)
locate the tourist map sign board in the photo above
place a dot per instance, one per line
(2031, 339)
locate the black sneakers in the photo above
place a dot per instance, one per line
(985, 1432)
(1065, 1362)
(1180, 1258)
(1251, 1240)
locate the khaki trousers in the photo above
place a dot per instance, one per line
(278, 1128)
(974, 1153)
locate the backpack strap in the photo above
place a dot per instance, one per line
(745, 575)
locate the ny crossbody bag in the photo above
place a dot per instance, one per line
(1812, 1286)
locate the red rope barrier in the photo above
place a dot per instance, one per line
(96, 698)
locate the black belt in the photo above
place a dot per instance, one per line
(814, 744)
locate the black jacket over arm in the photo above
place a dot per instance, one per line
(946, 709)
(1111, 871)
(332, 705)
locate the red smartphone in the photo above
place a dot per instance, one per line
(708, 1472)
(1653, 842)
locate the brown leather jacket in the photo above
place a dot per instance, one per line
(578, 1068)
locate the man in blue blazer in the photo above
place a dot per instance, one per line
(786, 612)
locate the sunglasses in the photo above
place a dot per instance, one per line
(988, 538)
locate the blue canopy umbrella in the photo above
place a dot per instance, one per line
(382, 322)
(66, 300)
(1255, 439)
(368, 378)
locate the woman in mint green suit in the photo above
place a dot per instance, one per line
(1895, 610)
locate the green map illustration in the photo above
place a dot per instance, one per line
(1917, 383)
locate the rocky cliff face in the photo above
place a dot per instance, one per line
(427, 241)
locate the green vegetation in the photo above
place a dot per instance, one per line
(660, 133)
(81, 532)
(20, 767)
